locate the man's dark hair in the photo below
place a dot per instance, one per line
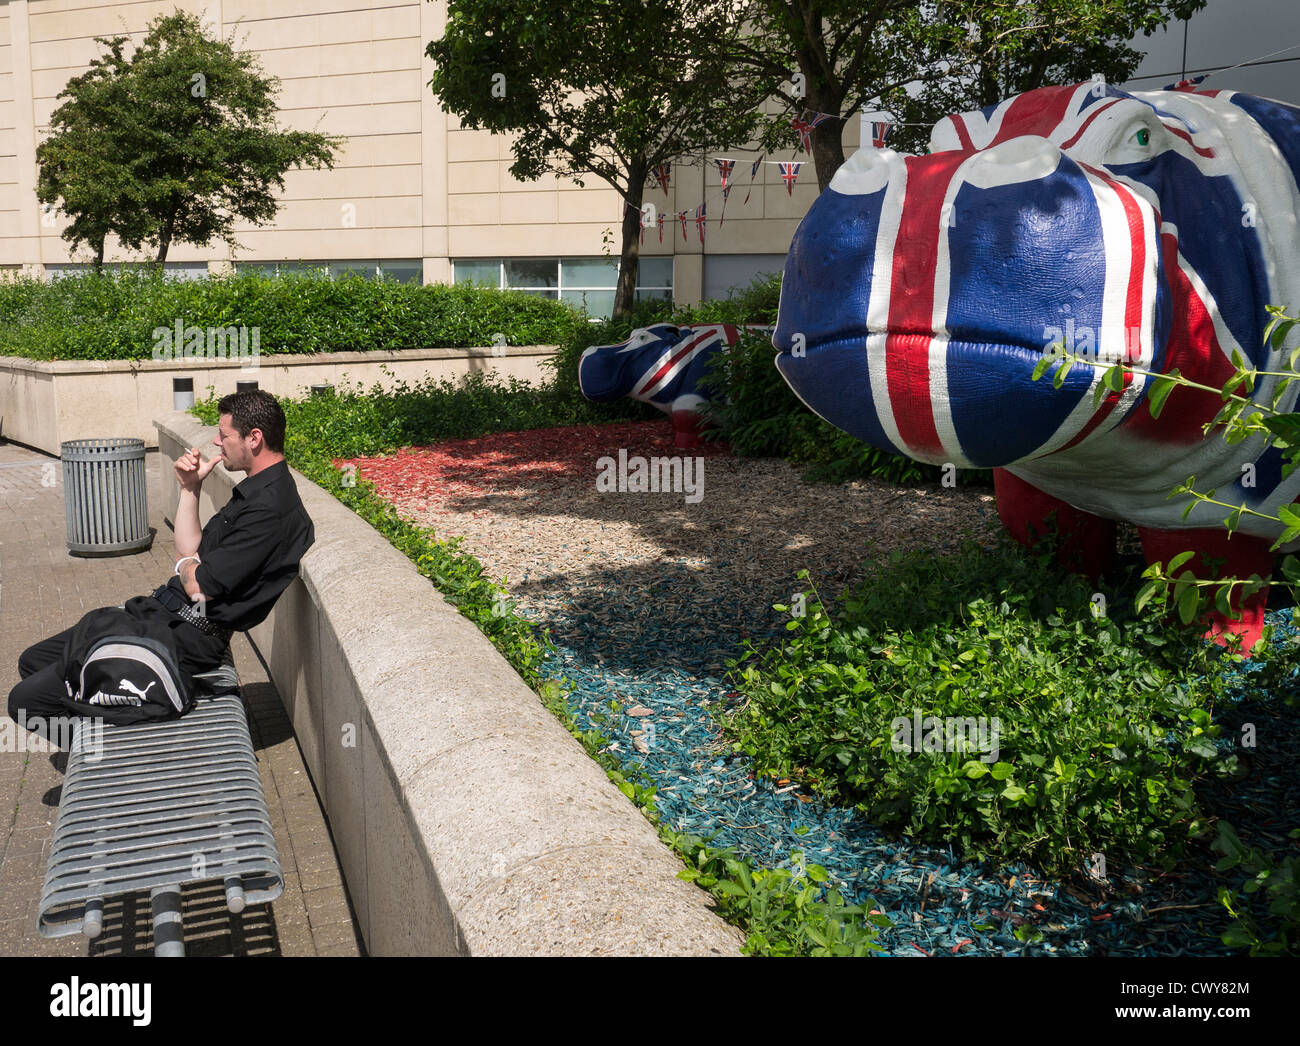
(255, 410)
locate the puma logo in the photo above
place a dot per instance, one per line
(126, 684)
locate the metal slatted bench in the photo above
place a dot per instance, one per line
(158, 806)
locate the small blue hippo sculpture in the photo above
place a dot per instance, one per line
(663, 365)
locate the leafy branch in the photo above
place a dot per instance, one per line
(1242, 417)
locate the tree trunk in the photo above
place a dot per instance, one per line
(828, 150)
(827, 136)
(164, 241)
(630, 256)
(99, 255)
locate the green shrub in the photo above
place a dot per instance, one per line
(1266, 911)
(353, 421)
(1103, 724)
(113, 315)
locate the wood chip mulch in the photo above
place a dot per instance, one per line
(528, 507)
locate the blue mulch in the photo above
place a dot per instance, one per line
(664, 648)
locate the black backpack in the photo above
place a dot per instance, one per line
(123, 669)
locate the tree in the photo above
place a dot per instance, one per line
(1001, 48)
(602, 87)
(174, 145)
(80, 164)
(923, 60)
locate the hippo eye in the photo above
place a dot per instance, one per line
(1142, 137)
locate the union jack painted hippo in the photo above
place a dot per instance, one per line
(663, 365)
(1154, 227)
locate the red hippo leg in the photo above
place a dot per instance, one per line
(686, 428)
(1087, 542)
(1245, 555)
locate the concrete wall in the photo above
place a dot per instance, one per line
(468, 821)
(43, 403)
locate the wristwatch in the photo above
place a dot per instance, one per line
(182, 560)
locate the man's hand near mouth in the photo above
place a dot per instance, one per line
(191, 471)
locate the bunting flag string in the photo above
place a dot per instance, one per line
(880, 132)
(663, 176)
(725, 168)
(1190, 84)
(789, 172)
(804, 130)
(752, 172)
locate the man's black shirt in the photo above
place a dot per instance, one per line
(250, 549)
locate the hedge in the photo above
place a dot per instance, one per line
(119, 315)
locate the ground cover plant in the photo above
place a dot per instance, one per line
(1098, 724)
(1264, 901)
(114, 315)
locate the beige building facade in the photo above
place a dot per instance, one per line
(412, 193)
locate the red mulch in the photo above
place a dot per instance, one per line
(536, 459)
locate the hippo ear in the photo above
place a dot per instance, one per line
(1280, 121)
(943, 136)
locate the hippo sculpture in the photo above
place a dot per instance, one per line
(662, 365)
(1153, 228)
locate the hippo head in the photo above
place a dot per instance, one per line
(920, 292)
(663, 365)
(608, 372)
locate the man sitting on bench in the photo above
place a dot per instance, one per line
(234, 570)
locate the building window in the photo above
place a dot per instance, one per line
(171, 270)
(404, 270)
(585, 283)
(654, 280)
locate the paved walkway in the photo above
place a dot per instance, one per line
(43, 590)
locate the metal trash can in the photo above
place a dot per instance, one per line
(104, 495)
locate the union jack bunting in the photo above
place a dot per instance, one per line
(789, 172)
(880, 132)
(753, 172)
(663, 175)
(1190, 84)
(661, 227)
(682, 216)
(699, 220)
(804, 130)
(724, 170)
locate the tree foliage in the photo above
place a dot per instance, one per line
(176, 144)
(601, 87)
(920, 61)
